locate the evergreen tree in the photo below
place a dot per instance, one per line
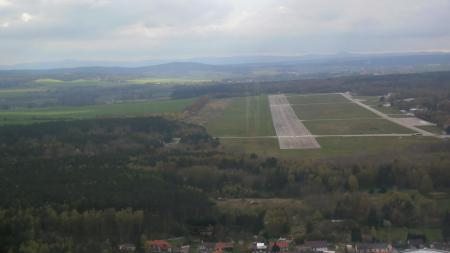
(446, 225)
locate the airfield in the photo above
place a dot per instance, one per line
(291, 126)
(312, 126)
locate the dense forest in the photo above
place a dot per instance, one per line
(88, 185)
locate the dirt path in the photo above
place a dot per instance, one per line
(291, 132)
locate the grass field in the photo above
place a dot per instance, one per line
(387, 110)
(331, 111)
(432, 129)
(355, 126)
(18, 92)
(48, 81)
(167, 81)
(330, 146)
(245, 116)
(316, 98)
(108, 110)
(250, 117)
(401, 234)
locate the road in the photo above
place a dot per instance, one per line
(386, 117)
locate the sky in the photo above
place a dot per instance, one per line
(131, 30)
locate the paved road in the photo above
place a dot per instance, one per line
(384, 116)
(291, 132)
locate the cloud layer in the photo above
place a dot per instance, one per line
(45, 30)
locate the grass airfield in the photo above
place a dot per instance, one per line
(245, 126)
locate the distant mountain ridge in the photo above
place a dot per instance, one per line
(239, 60)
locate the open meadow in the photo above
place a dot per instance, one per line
(126, 109)
(243, 117)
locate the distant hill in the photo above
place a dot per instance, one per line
(250, 68)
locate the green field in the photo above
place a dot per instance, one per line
(331, 111)
(19, 92)
(245, 116)
(387, 110)
(330, 146)
(432, 129)
(316, 98)
(167, 81)
(107, 110)
(250, 117)
(401, 234)
(48, 81)
(355, 126)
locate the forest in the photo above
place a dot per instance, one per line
(88, 185)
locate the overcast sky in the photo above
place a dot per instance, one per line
(49, 30)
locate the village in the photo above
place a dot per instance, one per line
(286, 245)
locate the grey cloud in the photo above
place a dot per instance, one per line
(177, 28)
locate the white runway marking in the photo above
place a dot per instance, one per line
(291, 132)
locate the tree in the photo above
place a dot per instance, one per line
(372, 218)
(373, 234)
(426, 184)
(356, 235)
(275, 248)
(446, 225)
(352, 183)
(276, 222)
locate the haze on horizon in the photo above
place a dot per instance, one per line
(51, 30)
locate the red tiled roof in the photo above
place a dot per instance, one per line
(281, 244)
(159, 243)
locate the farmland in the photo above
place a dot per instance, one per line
(143, 108)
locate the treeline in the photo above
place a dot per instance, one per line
(363, 85)
(129, 172)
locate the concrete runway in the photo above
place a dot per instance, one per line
(291, 132)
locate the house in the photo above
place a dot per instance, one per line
(283, 245)
(206, 247)
(317, 246)
(184, 249)
(440, 245)
(416, 243)
(258, 247)
(127, 248)
(373, 248)
(157, 246)
(222, 247)
(219, 247)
